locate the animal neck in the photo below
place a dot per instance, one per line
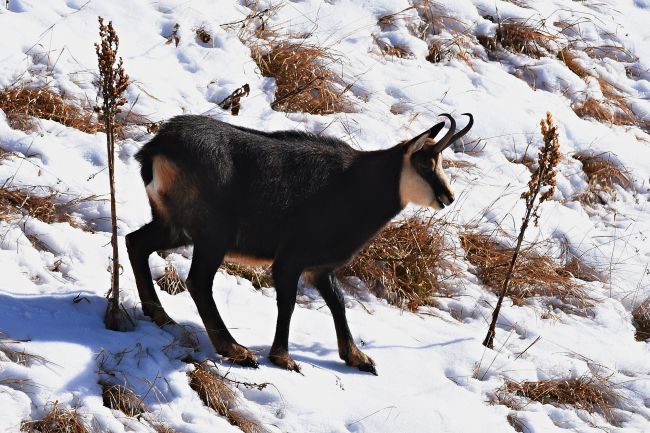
(375, 186)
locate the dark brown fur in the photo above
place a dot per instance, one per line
(303, 202)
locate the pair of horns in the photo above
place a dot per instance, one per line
(451, 136)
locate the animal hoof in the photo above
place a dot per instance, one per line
(242, 356)
(249, 362)
(363, 362)
(368, 367)
(285, 361)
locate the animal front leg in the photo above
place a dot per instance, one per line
(286, 286)
(328, 286)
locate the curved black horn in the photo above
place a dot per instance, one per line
(439, 146)
(463, 131)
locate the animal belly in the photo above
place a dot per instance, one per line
(247, 259)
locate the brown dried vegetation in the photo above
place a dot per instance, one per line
(10, 352)
(232, 102)
(641, 320)
(303, 78)
(121, 398)
(217, 395)
(22, 104)
(162, 428)
(458, 47)
(390, 50)
(602, 174)
(613, 108)
(592, 393)
(15, 202)
(259, 276)
(170, 281)
(403, 263)
(203, 35)
(573, 62)
(534, 276)
(57, 420)
(521, 37)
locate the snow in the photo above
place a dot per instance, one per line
(434, 374)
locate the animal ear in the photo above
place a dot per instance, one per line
(417, 143)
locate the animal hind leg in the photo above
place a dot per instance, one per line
(329, 288)
(208, 255)
(140, 244)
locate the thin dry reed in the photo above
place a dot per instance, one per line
(542, 178)
(112, 84)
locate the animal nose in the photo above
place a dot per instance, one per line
(447, 197)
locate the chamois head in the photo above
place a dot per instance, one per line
(423, 181)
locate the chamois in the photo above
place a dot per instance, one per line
(302, 202)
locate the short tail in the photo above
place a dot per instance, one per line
(144, 157)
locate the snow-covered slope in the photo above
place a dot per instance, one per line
(434, 374)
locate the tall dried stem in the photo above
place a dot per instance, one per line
(113, 81)
(543, 176)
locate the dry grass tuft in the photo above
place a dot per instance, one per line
(535, 275)
(641, 319)
(592, 393)
(211, 387)
(434, 19)
(577, 268)
(57, 421)
(12, 354)
(217, 395)
(403, 263)
(390, 50)
(458, 47)
(15, 202)
(244, 423)
(596, 109)
(602, 175)
(520, 37)
(613, 108)
(162, 428)
(203, 35)
(22, 104)
(573, 62)
(121, 398)
(259, 276)
(46, 208)
(171, 282)
(303, 78)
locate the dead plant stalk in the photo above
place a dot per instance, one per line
(113, 81)
(544, 176)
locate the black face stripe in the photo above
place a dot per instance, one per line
(423, 162)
